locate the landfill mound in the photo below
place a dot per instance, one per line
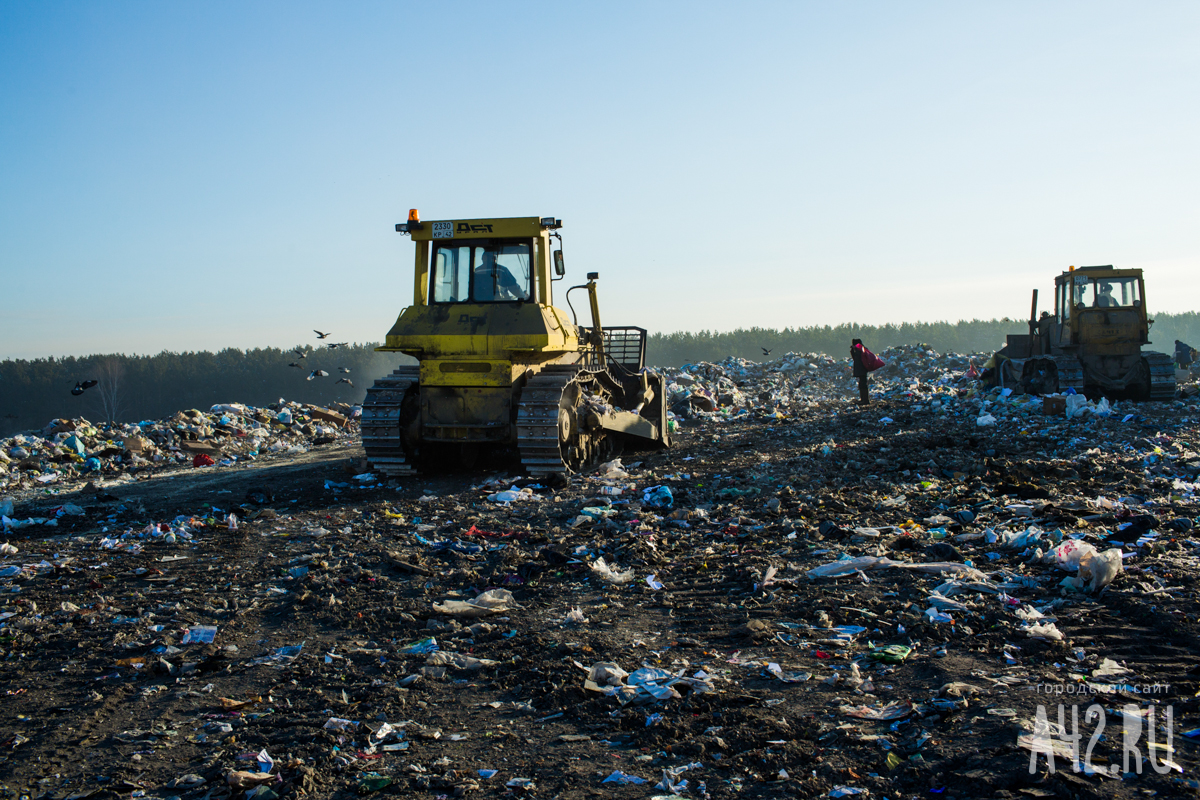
(804, 597)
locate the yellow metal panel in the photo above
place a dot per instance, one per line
(480, 331)
(462, 372)
(560, 328)
(501, 227)
(542, 261)
(1101, 274)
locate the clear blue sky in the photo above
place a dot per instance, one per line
(191, 176)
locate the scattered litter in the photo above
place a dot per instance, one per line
(875, 585)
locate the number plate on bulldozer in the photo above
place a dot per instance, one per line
(443, 230)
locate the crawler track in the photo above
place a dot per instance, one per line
(1162, 376)
(538, 434)
(1070, 373)
(382, 422)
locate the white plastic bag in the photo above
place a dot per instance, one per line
(493, 601)
(1077, 404)
(1101, 570)
(511, 495)
(611, 574)
(606, 673)
(1071, 553)
(1044, 630)
(612, 469)
(1095, 570)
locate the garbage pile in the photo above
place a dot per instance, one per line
(804, 597)
(72, 449)
(735, 386)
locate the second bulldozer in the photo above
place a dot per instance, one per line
(499, 366)
(1092, 343)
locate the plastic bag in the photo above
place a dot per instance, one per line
(658, 497)
(1071, 553)
(611, 574)
(493, 601)
(1096, 570)
(1044, 630)
(1077, 404)
(510, 495)
(870, 361)
(606, 673)
(1101, 570)
(612, 469)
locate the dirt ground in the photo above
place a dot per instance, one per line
(103, 697)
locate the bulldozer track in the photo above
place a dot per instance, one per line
(537, 420)
(1162, 375)
(381, 422)
(1070, 373)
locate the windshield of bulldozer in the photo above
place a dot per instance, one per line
(1088, 292)
(481, 271)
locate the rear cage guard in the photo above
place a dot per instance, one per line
(624, 346)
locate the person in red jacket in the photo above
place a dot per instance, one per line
(860, 370)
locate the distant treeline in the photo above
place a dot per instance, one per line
(132, 388)
(975, 336)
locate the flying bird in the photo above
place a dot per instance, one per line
(294, 364)
(80, 386)
(333, 346)
(301, 353)
(345, 370)
(766, 352)
(317, 373)
(319, 334)
(346, 381)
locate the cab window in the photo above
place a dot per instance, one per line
(451, 274)
(482, 271)
(1106, 293)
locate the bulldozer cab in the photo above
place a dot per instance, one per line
(1099, 306)
(482, 289)
(502, 260)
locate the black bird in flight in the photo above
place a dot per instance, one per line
(333, 346)
(766, 352)
(317, 373)
(294, 364)
(346, 381)
(320, 335)
(81, 386)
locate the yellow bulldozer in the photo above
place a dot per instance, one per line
(1092, 343)
(500, 366)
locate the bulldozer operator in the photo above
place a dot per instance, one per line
(1105, 299)
(494, 281)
